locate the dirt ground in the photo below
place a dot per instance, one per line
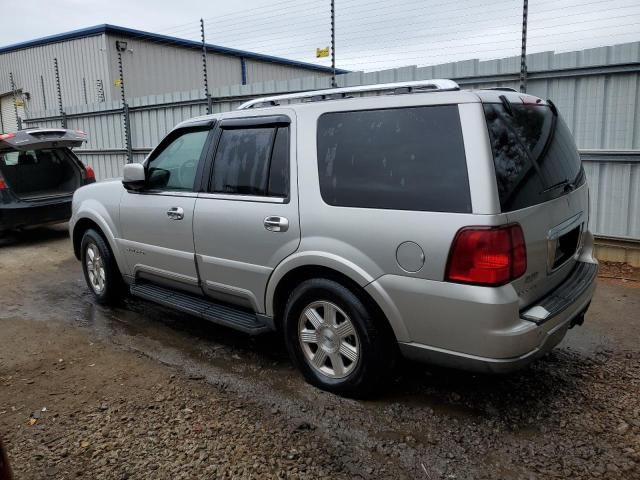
(141, 392)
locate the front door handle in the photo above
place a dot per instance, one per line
(175, 213)
(276, 224)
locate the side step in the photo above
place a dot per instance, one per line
(199, 307)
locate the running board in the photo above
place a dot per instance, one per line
(199, 307)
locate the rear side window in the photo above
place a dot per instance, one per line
(534, 154)
(252, 161)
(401, 158)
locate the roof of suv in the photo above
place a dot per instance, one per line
(446, 90)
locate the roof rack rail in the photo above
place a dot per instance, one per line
(418, 86)
(501, 89)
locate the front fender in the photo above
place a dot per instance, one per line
(107, 219)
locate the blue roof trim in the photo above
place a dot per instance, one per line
(140, 34)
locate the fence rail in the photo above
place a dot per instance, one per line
(596, 90)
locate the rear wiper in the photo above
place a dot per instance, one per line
(568, 186)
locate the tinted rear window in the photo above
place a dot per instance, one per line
(535, 156)
(401, 158)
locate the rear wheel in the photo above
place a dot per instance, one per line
(335, 340)
(100, 269)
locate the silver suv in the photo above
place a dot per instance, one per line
(419, 219)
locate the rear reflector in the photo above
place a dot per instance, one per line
(89, 174)
(490, 256)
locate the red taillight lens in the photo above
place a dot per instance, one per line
(89, 174)
(3, 185)
(487, 256)
(7, 136)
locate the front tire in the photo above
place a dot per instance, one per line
(100, 268)
(335, 340)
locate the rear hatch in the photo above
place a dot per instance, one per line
(541, 186)
(38, 164)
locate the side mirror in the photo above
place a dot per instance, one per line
(134, 176)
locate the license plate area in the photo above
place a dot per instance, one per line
(564, 241)
(566, 246)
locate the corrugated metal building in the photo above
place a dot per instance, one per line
(152, 64)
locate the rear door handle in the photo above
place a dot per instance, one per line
(276, 224)
(175, 213)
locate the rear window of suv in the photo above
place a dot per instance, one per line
(534, 154)
(400, 158)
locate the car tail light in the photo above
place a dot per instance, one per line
(89, 174)
(3, 184)
(490, 256)
(7, 136)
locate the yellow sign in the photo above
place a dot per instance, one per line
(117, 82)
(322, 52)
(19, 103)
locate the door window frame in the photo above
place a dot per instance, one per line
(168, 140)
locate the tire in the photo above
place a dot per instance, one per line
(100, 269)
(363, 361)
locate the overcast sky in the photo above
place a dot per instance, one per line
(370, 34)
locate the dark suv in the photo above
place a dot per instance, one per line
(38, 176)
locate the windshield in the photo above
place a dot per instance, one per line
(534, 154)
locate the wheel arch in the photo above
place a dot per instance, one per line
(279, 290)
(88, 220)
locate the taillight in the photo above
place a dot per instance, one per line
(490, 256)
(89, 174)
(7, 136)
(3, 184)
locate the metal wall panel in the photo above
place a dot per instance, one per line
(152, 67)
(105, 166)
(78, 59)
(614, 189)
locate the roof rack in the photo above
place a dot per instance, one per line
(343, 92)
(501, 89)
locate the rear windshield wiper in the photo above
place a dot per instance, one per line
(566, 184)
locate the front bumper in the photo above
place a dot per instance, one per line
(25, 214)
(484, 330)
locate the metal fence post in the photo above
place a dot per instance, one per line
(44, 96)
(126, 125)
(204, 67)
(15, 101)
(63, 121)
(523, 54)
(333, 44)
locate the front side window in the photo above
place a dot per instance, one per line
(174, 168)
(252, 161)
(400, 158)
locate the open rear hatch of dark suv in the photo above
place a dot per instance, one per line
(38, 164)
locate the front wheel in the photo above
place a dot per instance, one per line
(100, 269)
(338, 343)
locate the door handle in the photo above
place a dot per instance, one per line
(175, 213)
(276, 224)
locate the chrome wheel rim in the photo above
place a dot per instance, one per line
(95, 268)
(328, 339)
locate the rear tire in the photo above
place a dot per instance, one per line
(336, 341)
(100, 268)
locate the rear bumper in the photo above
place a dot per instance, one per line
(484, 331)
(25, 214)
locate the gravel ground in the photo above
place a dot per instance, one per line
(142, 392)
